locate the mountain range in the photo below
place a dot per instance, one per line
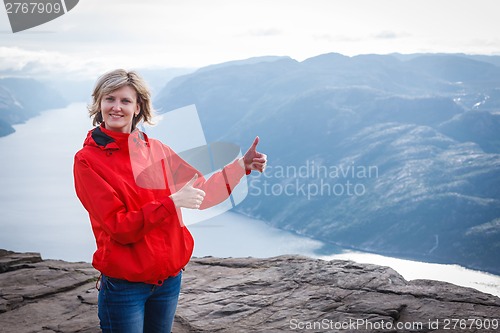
(24, 98)
(391, 154)
(24, 95)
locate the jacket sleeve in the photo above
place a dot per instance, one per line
(220, 184)
(106, 208)
(217, 187)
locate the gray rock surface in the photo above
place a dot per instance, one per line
(281, 294)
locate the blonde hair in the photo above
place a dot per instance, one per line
(116, 79)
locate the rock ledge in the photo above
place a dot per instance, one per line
(281, 294)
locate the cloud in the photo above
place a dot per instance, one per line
(191, 33)
(264, 32)
(387, 34)
(16, 61)
(338, 38)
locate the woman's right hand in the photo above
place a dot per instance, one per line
(188, 196)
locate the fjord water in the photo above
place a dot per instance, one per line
(40, 211)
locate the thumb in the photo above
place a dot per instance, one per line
(191, 182)
(255, 143)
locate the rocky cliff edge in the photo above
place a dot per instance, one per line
(280, 294)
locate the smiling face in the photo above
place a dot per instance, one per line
(119, 108)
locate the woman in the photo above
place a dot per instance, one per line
(142, 244)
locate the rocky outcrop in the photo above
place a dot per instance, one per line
(46, 295)
(281, 294)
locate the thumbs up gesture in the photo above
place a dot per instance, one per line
(253, 160)
(189, 196)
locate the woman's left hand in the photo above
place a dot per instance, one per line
(253, 160)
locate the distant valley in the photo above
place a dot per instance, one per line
(22, 99)
(391, 154)
(427, 124)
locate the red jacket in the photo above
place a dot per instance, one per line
(124, 182)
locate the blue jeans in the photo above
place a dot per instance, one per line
(134, 307)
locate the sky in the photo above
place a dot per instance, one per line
(98, 35)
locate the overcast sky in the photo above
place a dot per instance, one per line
(99, 35)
